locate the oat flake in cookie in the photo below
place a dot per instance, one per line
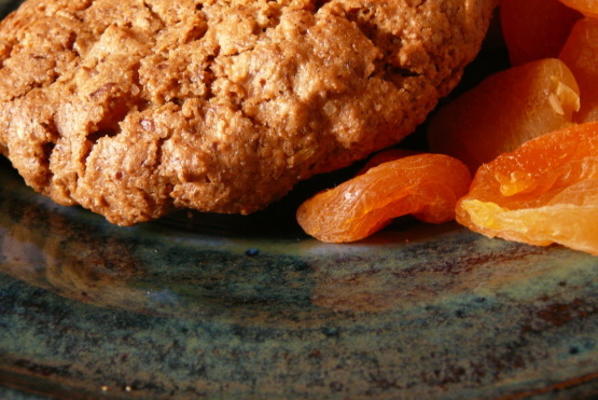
(132, 107)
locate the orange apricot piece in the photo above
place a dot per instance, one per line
(544, 192)
(385, 156)
(535, 29)
(505, 110)
(587, 7)
(426, 185)
(580, 53)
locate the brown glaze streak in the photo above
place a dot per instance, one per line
(394, 285)
(559, 314)
(569, 383)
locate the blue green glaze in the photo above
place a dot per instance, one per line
(166, 309)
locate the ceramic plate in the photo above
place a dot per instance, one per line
(203, 306)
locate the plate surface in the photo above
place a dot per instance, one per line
(205, 306)
(91, 310)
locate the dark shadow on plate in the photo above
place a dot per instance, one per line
(6, 6)
(276, 221)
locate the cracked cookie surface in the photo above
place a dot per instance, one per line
(132, 107)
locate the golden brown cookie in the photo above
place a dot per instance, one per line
(131, 107)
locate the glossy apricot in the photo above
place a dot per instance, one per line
(544, 192)
(580, 53)
(505, 110)
(426, 185)
(535, 29)
(588, 7)
(385, 156)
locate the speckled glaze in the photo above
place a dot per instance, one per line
(90, 310)
(217, 307)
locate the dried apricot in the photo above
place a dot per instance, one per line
(535, 29)
(505, 110)
(385, 156)
(588, 7)
(544, 192)
(580, 53)
(426, 185)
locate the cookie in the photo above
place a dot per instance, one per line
(133, 107)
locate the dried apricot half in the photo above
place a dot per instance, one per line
(385, 156)
(426, 185)
(544, 192)
(580, 53)
(535, 29)
(505, 110)
(588, 7)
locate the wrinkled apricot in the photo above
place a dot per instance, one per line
(535, 29)
(580, 53)
(385, 156)
(426, 185)
(544, 192)
(505, 110)
(588, 7)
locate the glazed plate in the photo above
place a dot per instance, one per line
(203, 306)
(235, 311)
